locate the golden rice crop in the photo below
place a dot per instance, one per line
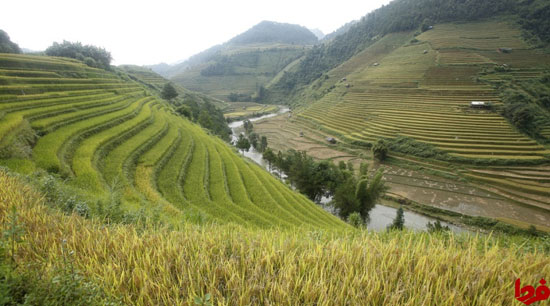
(240, 266)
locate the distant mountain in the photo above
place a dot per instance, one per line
(320, 35)
(275, 32)
(244, 65)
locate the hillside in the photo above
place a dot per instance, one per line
(414, 90)
(188, 103)
(115, 144)
(406, 15)
(245, 64)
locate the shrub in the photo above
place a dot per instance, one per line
(355, 220)
(380, 150)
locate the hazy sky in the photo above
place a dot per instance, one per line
(150, 32)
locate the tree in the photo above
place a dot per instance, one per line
(243, 143)
(355, 220)
(380, 150)
(399, 221)
(342, 165)
(169, 92)
(263, 144)
(248, 126)
(185, 111)
(253, 139)
(270, 157)
(437, 227)
(368, 193)
(6, 45)
(90, 55)
(344, 199)
(205, 120)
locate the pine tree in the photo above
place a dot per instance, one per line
(399, 221)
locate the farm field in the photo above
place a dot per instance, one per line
(443, 186)
(247, 109)
(421, 88)
(101, 132)
(236, 265)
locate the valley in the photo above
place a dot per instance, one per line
(403, 159)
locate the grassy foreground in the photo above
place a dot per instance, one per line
(238, 266)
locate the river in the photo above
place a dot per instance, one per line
(380, 216)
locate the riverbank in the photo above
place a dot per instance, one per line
(380, 217)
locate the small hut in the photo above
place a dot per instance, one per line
(375, 64)
(480, 104)
(331, 140)
(505, 50)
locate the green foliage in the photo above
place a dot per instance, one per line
(380, 150)
(169, 92)
(342, 165)
(239, 97)
(6, 45)
(363, 169)
(368, 192)
(270, 157)
(355, 220)
(185, 111)
(411, 146)
(527, 106)
(203, 301)
(263, 144)
(205, 120)
(253, 139)
(248, 126)
(344, 199)
(243, 143)
(88, 54)
(437, 227)
(399, 221)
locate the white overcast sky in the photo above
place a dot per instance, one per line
(150, 32)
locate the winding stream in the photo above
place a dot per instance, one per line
(380, 216)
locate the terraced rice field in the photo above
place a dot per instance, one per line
(424, 90)
(101, 131)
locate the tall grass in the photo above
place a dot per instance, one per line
(239, 266)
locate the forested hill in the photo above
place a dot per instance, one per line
(240, 68)
(405, 15)
(274, 32)
(265, 32)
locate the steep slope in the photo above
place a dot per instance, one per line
(415, 92)
(409, 15)
(245, 64)
(103, 133)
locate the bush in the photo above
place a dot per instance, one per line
(355, 220)
(380, 150)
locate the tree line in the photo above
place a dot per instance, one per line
(90, 55)
(351, 193)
